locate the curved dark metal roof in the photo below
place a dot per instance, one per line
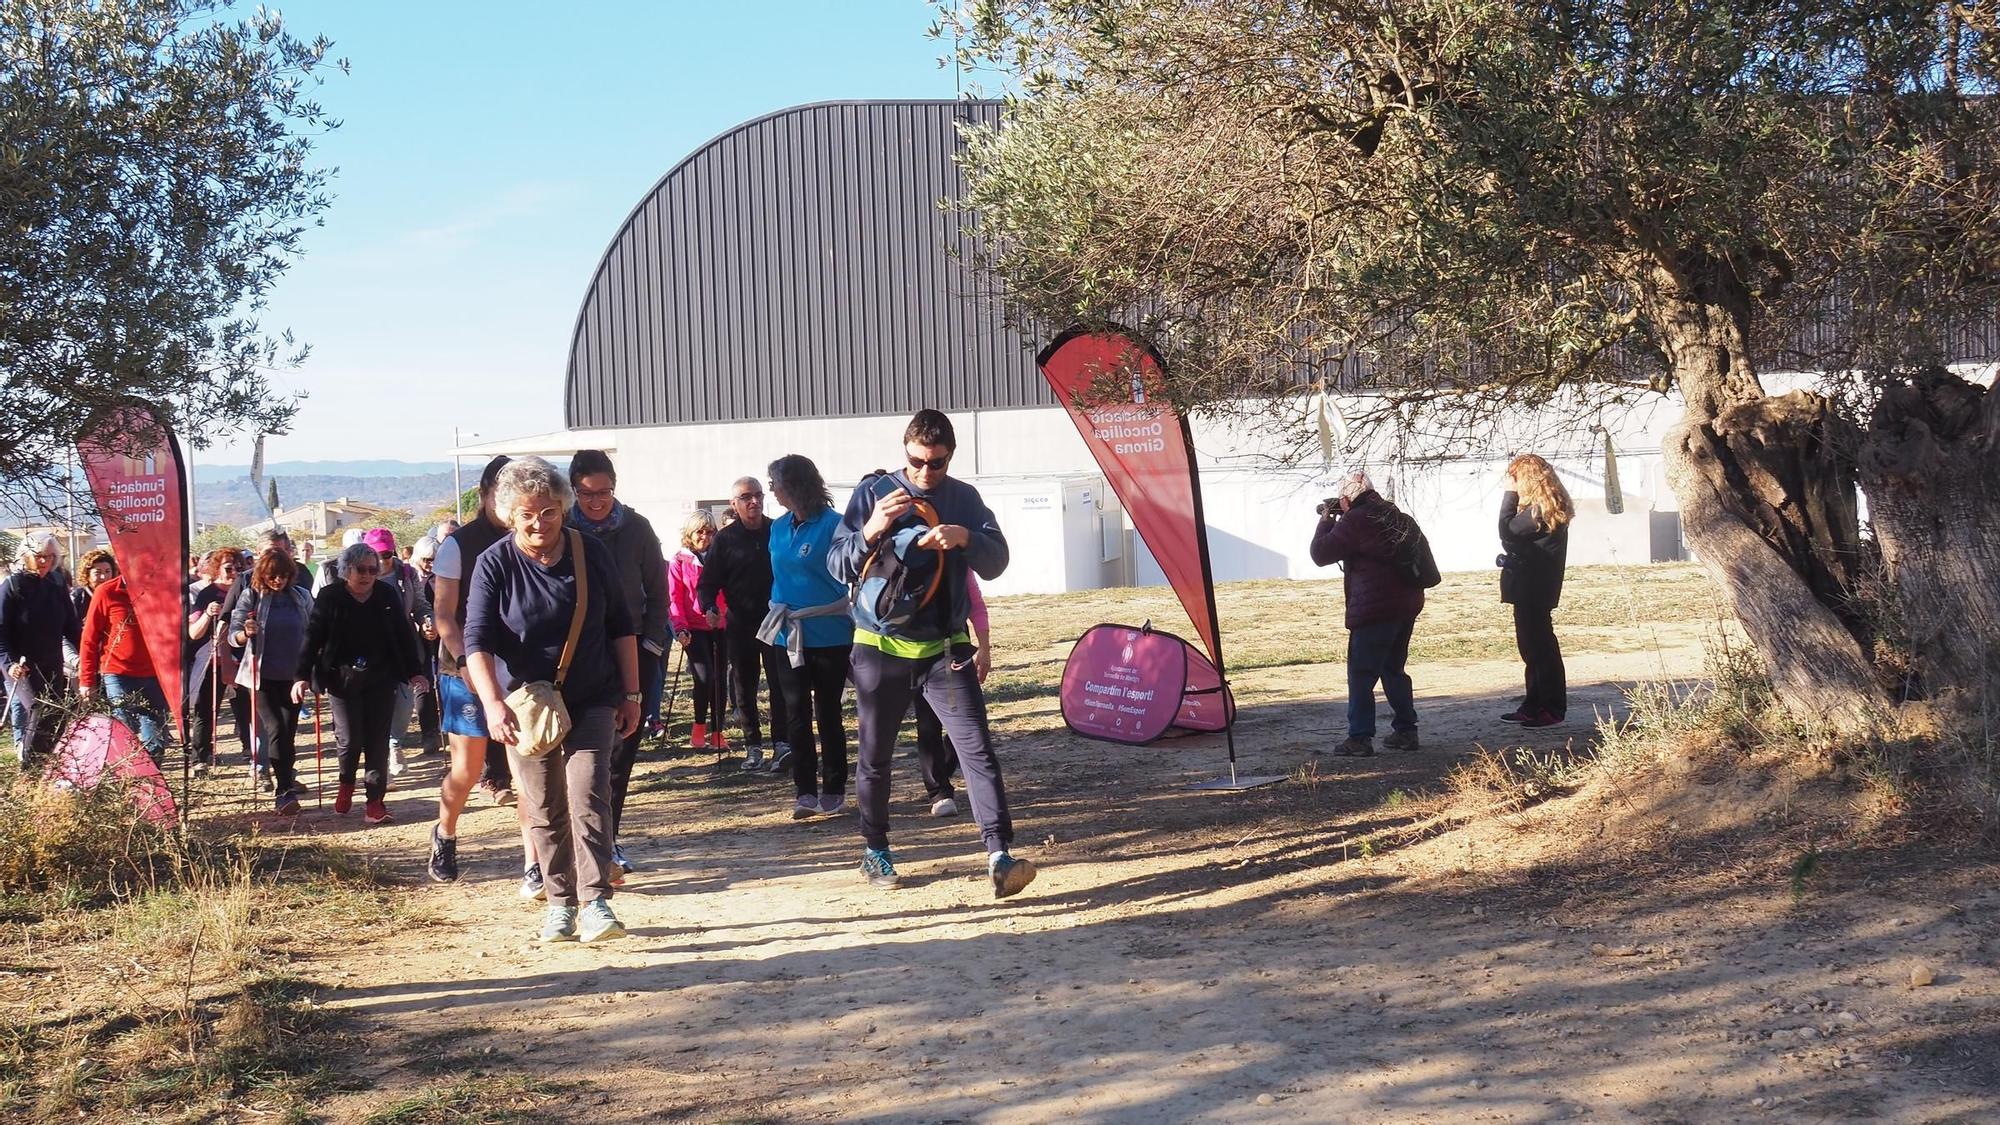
(800, 265)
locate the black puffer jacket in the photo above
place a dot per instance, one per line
(1535, 556)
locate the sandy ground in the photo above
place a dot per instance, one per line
(1184, 955)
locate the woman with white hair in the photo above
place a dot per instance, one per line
(36, 617)
(423, 555)
(526, 623)
(361, 649)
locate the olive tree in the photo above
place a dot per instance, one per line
(155, 180)
(1471, 206)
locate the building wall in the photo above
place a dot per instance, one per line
(1069, 532)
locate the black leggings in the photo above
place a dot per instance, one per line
(812, 698)
(707, 668)
(1541, 653)
(361, 731)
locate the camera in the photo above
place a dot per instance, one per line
(1328, 508)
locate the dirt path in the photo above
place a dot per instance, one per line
(1184, 955)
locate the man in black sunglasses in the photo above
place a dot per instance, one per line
(928, 520)
(739, 569)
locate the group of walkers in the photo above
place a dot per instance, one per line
(533, 643)
(1368, 536)
(557, 603)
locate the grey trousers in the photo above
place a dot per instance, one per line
(565, 800)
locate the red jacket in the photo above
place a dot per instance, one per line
(1376, 588)
(113, 644)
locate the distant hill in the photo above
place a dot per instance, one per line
(205, 473)
(233, 501)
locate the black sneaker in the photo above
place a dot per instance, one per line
(1011, 876)
(444, 858)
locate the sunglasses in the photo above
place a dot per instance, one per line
(364, 570)
(934, 464)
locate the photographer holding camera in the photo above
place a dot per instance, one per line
(1360, 529)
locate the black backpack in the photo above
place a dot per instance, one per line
(1410, 548)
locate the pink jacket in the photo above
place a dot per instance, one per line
(683, 575)
(975, 614)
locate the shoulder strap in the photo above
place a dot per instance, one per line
(582, 569)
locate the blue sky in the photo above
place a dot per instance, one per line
(486, 156)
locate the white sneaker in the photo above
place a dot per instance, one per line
(396, 766)
(944, 806)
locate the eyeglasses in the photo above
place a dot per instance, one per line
(594, 494)
(364, 570)
(747, 497)
(934, 464)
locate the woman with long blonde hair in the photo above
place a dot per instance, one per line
(1535, 515)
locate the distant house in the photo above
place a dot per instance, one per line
(324, 519)
(74, 540)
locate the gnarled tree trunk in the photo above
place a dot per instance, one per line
(1930, 465)
(1766, 500)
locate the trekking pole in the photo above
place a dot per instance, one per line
(673, 688)
(319, 777)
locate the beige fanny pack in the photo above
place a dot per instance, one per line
(539, 710)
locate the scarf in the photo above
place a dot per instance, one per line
(611, 522)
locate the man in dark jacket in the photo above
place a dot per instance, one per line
(925, 519)
(739, 568)
(642, 574)
(1361, 530)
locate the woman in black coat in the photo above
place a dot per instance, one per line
(360, 647)
(1535, 515)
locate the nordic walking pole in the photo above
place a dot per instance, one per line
(319, 777)
(673, 688)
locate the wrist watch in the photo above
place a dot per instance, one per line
(634, 697)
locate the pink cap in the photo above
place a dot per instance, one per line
(380, 540)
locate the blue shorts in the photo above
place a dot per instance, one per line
(459, 709)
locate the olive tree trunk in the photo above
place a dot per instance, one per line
(1930, 466)
(1766, 495)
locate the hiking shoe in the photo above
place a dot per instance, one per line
(486, 792)
(944, 806)
(503, 797)
(1010, 876)
(558, 924)
(286, 804)
(1516, 716)
(618, 859)
(753, 759)
(599, 923)
(1404, 740)
(1356, 748)
(264, 779)
(880, 869)
(1542, 719)
(376, 812)
(343, 800)
(444, 858)
(831, 803)
(531, 882)
(806, 807)
(781, 757)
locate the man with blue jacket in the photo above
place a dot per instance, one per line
(910, 635)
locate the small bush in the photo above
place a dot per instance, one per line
(77, 847)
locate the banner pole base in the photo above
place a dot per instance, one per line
(1233, 783)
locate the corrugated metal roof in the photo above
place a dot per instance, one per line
(800, 265)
